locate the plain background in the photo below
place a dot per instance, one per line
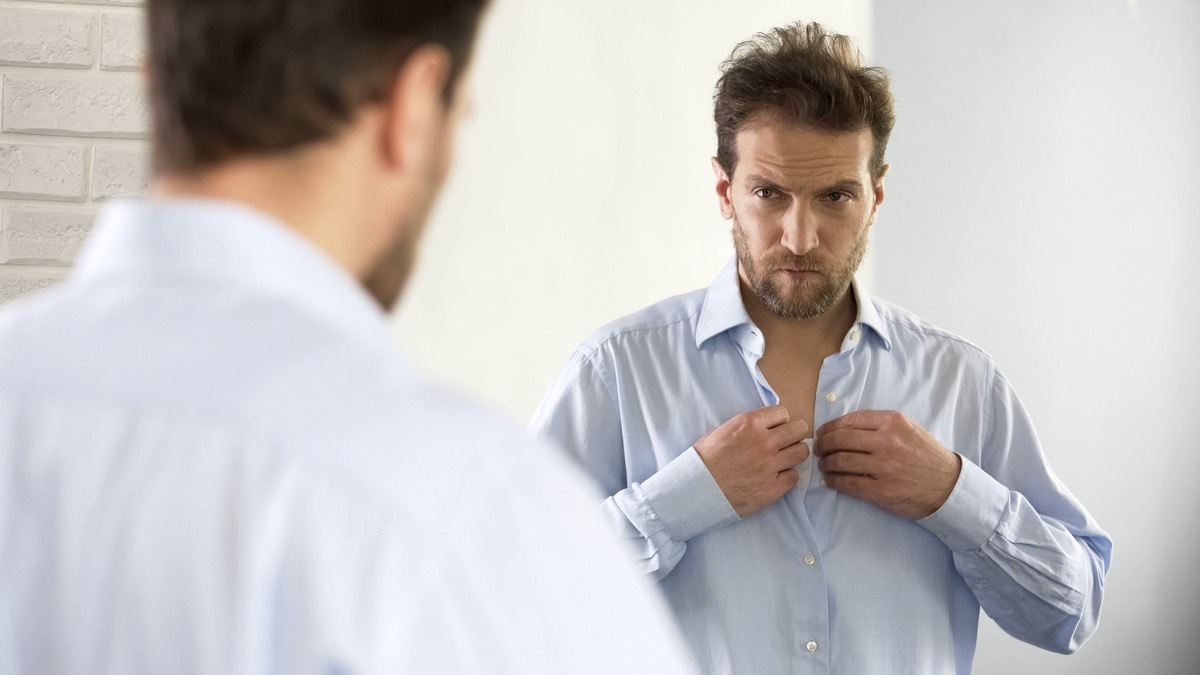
(1041, 203)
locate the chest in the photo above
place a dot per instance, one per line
(794, 378)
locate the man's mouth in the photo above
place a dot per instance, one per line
(798, 272)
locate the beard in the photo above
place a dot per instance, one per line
(797, 299)
(387, 278)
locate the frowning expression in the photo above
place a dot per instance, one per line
(802, 202)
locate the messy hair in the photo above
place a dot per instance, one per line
(809, 76)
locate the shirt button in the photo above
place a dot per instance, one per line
(810, 559)
(811, 646)
(831, 397)
(822, 482)
(854, 334)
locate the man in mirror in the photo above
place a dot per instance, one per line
(820, 480)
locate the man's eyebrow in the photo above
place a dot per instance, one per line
(851, 185)
(756, 180)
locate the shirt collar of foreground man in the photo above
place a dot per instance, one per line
(224, 241)
(820, 481)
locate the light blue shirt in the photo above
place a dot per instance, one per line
(213, 459)
(820, 582)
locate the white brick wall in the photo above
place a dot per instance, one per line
(73, 129)
(34, 234)
(17, 280)
(119, 171)
(121, 41)
(59, 39)
(39, 171)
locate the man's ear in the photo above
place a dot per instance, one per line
(415, 111)
(879, 193)
(724, 185)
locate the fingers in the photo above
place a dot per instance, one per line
(847, 440)
(770, 416)
(793, 454)
(847, 463)
(850, 484)
(790, 432)
(859, 419)
(786, 480)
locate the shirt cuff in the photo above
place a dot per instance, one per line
(686, 497)
(972, 512)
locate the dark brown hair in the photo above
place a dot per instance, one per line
(232, 78)
(812, 78)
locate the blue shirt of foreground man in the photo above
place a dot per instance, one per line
(925, 495)
(212, 457)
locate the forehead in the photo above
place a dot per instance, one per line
(769, 146)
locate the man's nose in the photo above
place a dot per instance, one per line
(800, 231)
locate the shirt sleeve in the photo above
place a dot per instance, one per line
(655, 516)
(1033, 556)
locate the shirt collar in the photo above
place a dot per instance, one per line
(230, 245)
(868, 314)
(723, 309)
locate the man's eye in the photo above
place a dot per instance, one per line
(837, 197)
(764, 193)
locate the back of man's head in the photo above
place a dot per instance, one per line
(237, 78)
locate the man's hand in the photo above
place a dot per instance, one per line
(753, 457)
(887, 459)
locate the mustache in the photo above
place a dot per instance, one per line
(807, 263)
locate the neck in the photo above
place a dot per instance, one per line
(317, 205)
(820, 335)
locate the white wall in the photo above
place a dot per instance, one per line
(1042, 202)
(73, 126)
(583, 189)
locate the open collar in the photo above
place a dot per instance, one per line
(723, 309)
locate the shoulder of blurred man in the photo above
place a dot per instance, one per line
(271, 372)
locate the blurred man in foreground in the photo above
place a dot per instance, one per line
(212, 457)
